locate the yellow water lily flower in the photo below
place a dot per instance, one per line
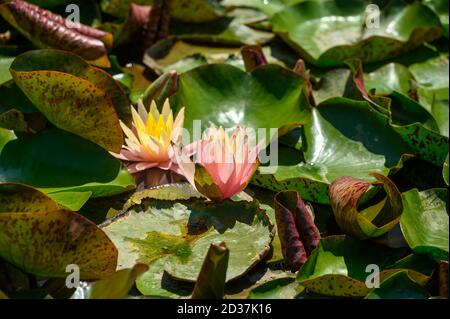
(149, 142)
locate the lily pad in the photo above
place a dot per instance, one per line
(388, 78)
(25, 199)
(59, 238)
(339, 266)
(441, 9)
(268, 97)
(229, 30)
(5, 63)
(399, 286)
(327, 33)
(329, 155)
(433, 89)
(76, 166)
(424, 222)
(172, 54)
(174, 236)
(60, 85)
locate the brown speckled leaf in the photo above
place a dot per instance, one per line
(48, 30)
(345, 196)
(73, 104)
(67, 62)
(22, 198)
(44, 243)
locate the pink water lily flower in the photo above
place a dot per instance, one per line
(229, 161)
(149, 142)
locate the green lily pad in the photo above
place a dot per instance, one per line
(59, 238)
(399, 286)
(76, 165)
(268, 7)
(5, 63)
(268, 97)
(229, 30)
(441, 9)
(329, 155)
(388, 78)
(174, 236)
(5, 137)
(433, 89)
(172, 54)
(73, 95)
(327, 33)
(424, 222)
(338, 266)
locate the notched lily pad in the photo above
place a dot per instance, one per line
(174, 236)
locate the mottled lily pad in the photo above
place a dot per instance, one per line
(22, 198)
(58, 239)
(174, 236)
(73, 95)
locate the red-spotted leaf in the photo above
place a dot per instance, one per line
(22, 198)
(346, 193)
(45, 243)
(72, 96)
